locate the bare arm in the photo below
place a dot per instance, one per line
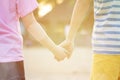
(81, 10)
(39, 34)
(79, 13)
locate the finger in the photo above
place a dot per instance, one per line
(69, 52)
(58, 59)
(69, 55)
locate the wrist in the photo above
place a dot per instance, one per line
(53, 48)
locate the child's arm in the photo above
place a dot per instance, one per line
(80, 11)
(39, 34)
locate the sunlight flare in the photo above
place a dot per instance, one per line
(44, 9)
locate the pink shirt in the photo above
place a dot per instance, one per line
(10, 33)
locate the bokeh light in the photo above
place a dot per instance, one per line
(44, 9)
(59, 1)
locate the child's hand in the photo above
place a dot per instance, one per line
(68, 46)
(60, 53)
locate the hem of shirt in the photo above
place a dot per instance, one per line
(106, 53)
(10, 60)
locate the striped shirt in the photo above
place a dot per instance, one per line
(106, 32)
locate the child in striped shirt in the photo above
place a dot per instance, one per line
(105, 39)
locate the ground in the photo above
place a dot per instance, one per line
(41, 65)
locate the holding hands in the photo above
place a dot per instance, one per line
(68, 46)
(60, 53)
(64, 50)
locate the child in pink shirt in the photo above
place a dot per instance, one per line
(11, 58)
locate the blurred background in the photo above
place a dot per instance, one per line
(54, 16)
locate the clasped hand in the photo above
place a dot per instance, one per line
(63, 50)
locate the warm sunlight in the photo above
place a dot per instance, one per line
(59, 1)
(44, 9)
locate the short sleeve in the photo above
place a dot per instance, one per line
(24, 7)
